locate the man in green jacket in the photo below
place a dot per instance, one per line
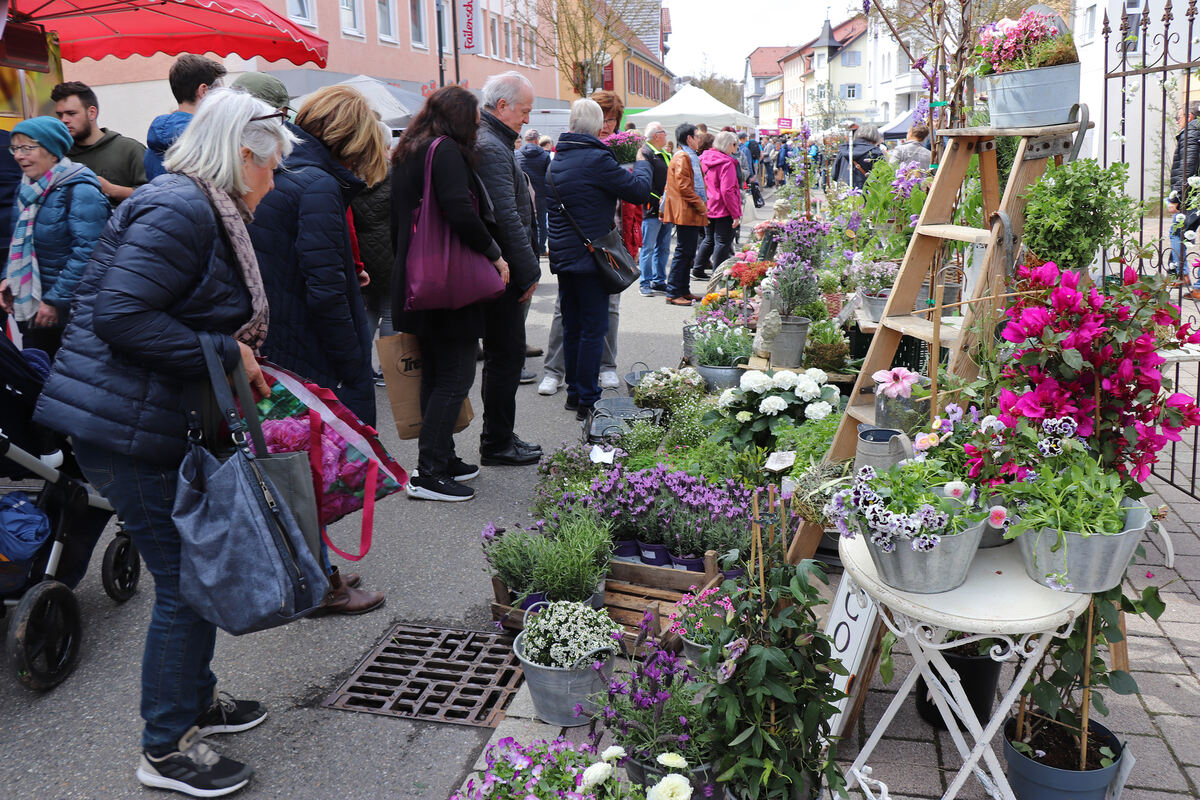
(117, 160)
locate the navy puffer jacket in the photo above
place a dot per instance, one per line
(65, 231)
(318, 325)
(590, 181)
(160, 277)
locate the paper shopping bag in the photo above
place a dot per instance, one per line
(400, 358)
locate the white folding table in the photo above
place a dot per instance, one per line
(998, 601)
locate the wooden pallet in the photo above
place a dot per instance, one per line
(630, 592)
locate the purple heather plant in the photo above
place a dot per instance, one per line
(543, 770)
(909, 176)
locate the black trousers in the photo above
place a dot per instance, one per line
(447, 372)
(686, 239)
(48, 340)
(503, 358)
(704, 251)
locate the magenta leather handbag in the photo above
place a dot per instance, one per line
(442, 272)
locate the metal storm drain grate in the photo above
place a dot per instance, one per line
(434, 674)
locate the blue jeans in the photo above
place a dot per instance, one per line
(177, 683)
(656, 249)
(584, 304)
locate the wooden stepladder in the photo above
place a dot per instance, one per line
(1005, 214)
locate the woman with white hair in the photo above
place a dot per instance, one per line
(120, 388)
(585, 182)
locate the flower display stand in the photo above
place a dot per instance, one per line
(630, 592)
(1023, 626)
(934, 228)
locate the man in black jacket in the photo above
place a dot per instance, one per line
(507, 101)
(1185, 165)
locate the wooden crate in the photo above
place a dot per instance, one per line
(630, 592)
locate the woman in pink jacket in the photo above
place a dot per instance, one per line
(724, 194)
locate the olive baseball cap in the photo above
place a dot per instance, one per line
(265, 87)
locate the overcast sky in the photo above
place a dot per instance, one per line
(717, 35)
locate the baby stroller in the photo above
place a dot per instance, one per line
(49, 526)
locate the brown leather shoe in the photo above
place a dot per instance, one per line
(344, 599)
(352, 579)
(1196, 294)
(679, 301)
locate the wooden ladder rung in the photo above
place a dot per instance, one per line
(922, 328)
(863, 413)
(957, 233)
(1044, 130)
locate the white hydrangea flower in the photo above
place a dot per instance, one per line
(817, 375)
(807, 389)
(772, 405)
(726, 399)
(743, 416)
(819, 410)
(596, 774)
(672, 787)
(755, 381)
(784, 379)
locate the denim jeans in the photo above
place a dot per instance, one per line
(686, 239)
(543, 226)
(584, 303)
(656, 250)
(177, 683)
(555, 363)
(447, 372)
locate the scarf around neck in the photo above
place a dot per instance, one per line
(24, 277)
(232, 215)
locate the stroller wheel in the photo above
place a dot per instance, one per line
(121, 568)
(44, 635)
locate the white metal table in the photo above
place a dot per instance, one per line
(997, 601)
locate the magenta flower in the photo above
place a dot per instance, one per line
(997, 516)
(896, 382)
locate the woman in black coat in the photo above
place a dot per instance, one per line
(448, 338)
(318, 320)
(173, 267)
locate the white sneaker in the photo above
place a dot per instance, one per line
(609, 380)
(549, 385)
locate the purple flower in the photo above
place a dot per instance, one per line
(725, 671)
(920, 63)
(921, 112)
(866, 6)
(736, 648)
(489, 532)
(954, 413)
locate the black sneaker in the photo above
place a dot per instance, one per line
(437, 487)
(582, 412)
(571, 404)
(195, 769)
(462, 471)
(229, 715)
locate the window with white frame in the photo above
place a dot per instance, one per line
(494, 27)
(351, 12)
(443, 23)
(532, 48)
(302, 11)
(507, 40)
(849, 91)
(851, 58)
(820, 91)
(820, 60)
(416, 22)
(387, 20)
(1087, 29)
(520, 44)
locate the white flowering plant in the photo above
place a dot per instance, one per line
(718, 344)
(765, 403)
(668, 388)
(565, 634)
(548, 770)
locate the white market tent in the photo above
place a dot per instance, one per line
(692, 104)
(382, 97)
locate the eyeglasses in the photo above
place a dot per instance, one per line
(17, 149)
(279, 115)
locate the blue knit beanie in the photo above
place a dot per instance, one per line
(49, 132)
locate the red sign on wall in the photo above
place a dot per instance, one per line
(784, 122)
(607, 76)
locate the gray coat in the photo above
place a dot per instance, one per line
(508, 189)
(910, 151)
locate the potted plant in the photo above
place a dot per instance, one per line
(920, 540)
(1030, 69)
(901, 399)
(873, 280)
(653, 716)
(566, 651)
(625, 146)
(668, 388)
(1076, 528)
(574, 557)
(512, 556)
(830, 283)
(766, 402)
(698, 617)
(827, 347)
(774, 692)
(546, 770)
(719, 347)
(1078, 208)
(1046, 752)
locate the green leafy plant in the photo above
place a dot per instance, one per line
(774, 693)
(815, 310)
(512, 556)
(827, 346)
(808, 439)
(767, 402)
(573, 558)
(1078, 208)
(667, 388)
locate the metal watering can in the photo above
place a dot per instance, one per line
(881, 448)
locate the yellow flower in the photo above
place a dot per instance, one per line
(710, 298)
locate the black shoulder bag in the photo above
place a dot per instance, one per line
(616, 267)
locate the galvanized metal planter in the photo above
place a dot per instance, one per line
(1091, 564)
(557, 690)
(718, 379)
(787, 349)
(1028, 98)
(941, 569)
(874, 304)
